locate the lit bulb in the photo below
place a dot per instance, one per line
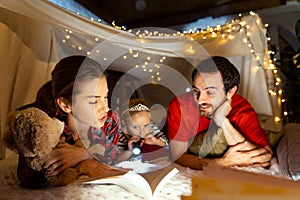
(277, 119)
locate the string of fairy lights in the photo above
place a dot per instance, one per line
(227, 31)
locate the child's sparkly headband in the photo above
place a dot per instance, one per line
(139, 107)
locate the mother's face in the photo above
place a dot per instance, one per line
(90, 105)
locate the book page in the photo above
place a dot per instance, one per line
(146, 185)
(157, 179)
(131, 181)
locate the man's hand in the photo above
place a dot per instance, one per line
(243, 154)
(221, 112)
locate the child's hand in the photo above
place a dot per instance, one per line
(151, 139)
(131, 141)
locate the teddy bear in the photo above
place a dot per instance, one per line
(33, 134)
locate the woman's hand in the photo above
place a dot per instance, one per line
(65, 156)
(93, 168)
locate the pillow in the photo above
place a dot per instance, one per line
(288, 152)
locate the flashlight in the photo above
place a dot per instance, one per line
(136, 147)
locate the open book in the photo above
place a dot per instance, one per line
(145, 185)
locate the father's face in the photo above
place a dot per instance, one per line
(208, 92)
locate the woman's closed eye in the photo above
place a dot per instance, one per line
(93, 102)
(97, 100)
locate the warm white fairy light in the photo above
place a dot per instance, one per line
(136, 55)
(224, 32)
(277, 119)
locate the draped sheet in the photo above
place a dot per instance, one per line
(31, 35)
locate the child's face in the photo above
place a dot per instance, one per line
(91, 106)
(139, 124)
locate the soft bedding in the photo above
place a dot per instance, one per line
(179, 185)
(288, 151)
(9, 188)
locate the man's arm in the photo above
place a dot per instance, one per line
(233, 157)
(178, 154)
(232, 135)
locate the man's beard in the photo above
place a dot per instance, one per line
(206, 114)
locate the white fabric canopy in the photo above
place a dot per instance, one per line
(35, 34)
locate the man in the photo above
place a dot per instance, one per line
(214, 103)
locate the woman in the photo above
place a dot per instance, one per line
(79, 94)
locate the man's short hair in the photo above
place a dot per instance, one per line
(229, 73)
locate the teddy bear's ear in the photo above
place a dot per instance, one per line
(8, 135)
(22, 129)
(45, 133)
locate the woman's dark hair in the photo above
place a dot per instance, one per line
(229, 73)
(70, 72)
(44, 99)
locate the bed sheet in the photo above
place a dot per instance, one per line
(178, 185)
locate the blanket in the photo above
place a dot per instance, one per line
(174, 188)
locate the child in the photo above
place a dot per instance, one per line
(137, 128)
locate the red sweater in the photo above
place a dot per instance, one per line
(184, 121)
